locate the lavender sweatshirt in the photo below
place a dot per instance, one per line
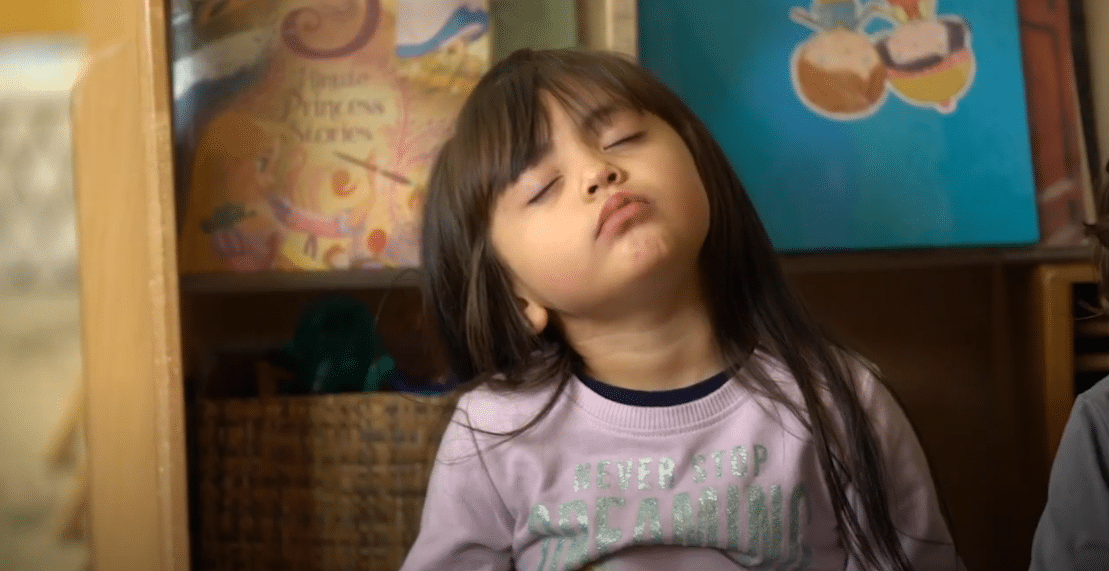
(726, 482)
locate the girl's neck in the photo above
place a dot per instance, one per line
(671, 345)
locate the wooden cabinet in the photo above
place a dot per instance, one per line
(980, 352)
(975, 344)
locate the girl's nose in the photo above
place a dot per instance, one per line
(605, 177)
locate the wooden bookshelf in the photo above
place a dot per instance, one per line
(976, 343)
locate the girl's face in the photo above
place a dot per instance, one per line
(613, 212)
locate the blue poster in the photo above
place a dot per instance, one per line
(860, 125)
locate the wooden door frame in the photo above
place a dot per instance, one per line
(129, 301)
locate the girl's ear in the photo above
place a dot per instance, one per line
(535, 313)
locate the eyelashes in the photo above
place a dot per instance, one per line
(629, 139)
(546, 188)
(543, 191)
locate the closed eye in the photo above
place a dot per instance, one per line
(543, 191)
(629, 139)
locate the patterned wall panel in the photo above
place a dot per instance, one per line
(38, 249)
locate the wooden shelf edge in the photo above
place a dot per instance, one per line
(383, 278)
(930, 258)
(296, 281)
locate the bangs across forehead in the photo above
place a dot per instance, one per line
(526, 139)
(511, 120)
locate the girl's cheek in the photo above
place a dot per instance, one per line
(555, 269)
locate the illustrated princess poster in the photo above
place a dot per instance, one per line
(858, 124)
(305, 128)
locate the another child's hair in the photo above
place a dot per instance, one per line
(501, 129)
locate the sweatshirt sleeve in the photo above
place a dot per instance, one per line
(914, 504)
(465, 525)
(1073, 532)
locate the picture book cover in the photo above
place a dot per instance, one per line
(860, 125)
(304, 129)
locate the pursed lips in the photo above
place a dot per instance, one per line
(614, 204)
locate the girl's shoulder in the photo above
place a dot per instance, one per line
(493, 409)
(865, 377)
(484, 418)
(888, 418)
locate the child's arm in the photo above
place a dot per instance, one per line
(465, 525)
(1074, 528)
(914, 504)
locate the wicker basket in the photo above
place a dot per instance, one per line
(301, 483)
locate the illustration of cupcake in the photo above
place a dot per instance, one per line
(929, 62)
(839, 73)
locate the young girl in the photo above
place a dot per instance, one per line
(646, 391)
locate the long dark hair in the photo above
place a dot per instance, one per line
(500, 130)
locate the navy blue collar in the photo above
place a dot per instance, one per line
(671, 397)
